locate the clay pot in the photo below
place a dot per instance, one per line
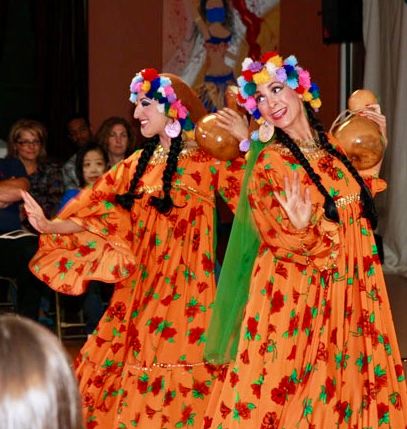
(215, 140)
(360, 137)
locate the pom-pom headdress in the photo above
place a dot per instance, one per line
(272, 65)
(169, 91)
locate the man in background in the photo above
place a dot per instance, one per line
(79, 133)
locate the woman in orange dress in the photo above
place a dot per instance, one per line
(148, 227)
(315, 346)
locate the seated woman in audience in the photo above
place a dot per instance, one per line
(117, 138)
(38, 387)
(27, 142)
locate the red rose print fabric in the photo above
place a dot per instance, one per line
(144, 366)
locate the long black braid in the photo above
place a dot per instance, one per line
(126, 200)
(368, 206)
(165, 204)
(331, 212)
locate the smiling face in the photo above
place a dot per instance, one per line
(152, 120)
(117, 141)
(280, 105)
(94, 166)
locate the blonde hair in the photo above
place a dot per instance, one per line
(31, 126)
(38, 388)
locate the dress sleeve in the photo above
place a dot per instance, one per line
(66, 262)
(318, 244)
(228, 177)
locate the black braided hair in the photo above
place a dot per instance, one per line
(331, 212)
(368, 206)
(165, 204)
(126, 200)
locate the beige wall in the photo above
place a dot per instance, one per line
(124, 37)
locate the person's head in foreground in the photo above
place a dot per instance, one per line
(279, 94)
(38, 388)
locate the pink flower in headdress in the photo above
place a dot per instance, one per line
(250, 104)
(169, 90)
(182, 112)
(304, 78)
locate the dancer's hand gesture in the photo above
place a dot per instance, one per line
(35, 213)
(296, 204)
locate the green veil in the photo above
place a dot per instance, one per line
(234, 280)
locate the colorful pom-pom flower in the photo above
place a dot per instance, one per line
(286, 71)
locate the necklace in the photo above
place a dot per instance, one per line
(309, 144)
(160, 154)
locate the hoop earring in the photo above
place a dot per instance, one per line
(266, 132)
(173, 129)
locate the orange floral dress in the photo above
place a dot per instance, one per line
(144, 367)
(317, 346)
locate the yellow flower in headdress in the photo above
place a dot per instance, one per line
(316, 104)
(145, 87)
(190, 135)
(261, 77)
(277, 60)
(172, 112)
(307, 96)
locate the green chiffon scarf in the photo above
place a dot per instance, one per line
(234, 280)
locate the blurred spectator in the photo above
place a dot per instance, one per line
(79, 133)
(117, 138)
(3, 148)
(17, 246)
(38, 387)
(27, 142)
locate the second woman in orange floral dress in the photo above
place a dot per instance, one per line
(148, 227)
(316, 347)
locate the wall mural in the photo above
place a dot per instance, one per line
(204, 41)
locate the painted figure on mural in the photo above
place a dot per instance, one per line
(213, 19)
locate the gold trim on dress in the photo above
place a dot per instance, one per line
(178, 185)
(344, 201)
(310, 152)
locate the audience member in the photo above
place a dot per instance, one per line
(17, 247)
(79, 133)
(38, 387)
(27, 142)
(90, 163)
(117, 138)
